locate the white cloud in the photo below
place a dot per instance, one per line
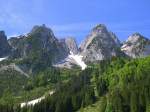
(11, 16)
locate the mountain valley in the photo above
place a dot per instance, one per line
(101, 71)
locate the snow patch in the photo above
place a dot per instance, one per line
(33, 102)
(1, 59)
(78, 59)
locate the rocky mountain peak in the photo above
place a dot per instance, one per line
(43, 30)
(4, 46)
(136, 46)
(2, 33)
(99, 28)
(40, 28)
(136, 34)
(40, 43)
(135, 37)
(71, 44)
(100, 44)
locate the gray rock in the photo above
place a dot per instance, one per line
(100, 44)
(39, 42)
(72, 45)
(136, 46)
(4, 46)
(69, 44)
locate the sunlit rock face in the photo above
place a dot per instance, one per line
(136, 46)
(4, 46)
(41, 46)
(100, 44)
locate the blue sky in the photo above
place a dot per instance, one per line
(76, 17)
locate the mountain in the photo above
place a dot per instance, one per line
(69, 43)
(71, 47)
(100, 44)
(29, 74)
(38, 49)
(39, 42)
(4, 46)
(136, 46)
(41, 48)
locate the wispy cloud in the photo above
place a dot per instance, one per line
(15, 13)
(8, 15)
(18, 16)
(123, 27)
(81, 26)
(80, 29)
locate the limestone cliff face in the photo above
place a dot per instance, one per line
(136, 46)
(69, 43)
(40, 47)
(4, 46)
(39, 42)
(72, 45)
(100, 44)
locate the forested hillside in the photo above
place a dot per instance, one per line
(116, 85)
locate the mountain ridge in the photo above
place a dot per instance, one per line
(100, 44)
(136, 46)
(40, 44)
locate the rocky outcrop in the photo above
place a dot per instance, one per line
(4, 46)
(40, 47)
(37, 50)
(40, 42)
(136, 46)
(17, 44)
(71, 45)
(100, 44)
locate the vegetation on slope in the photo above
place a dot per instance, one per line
(117, 85)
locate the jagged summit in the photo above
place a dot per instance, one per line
(99, 28)
(100, 44)
(2, 33)
(43, 30)
(69, 43)
(72, 44)
(135, 37)
(136, 34)
(40, 27)
(4, 46)
(40, 44)
(136, 46)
